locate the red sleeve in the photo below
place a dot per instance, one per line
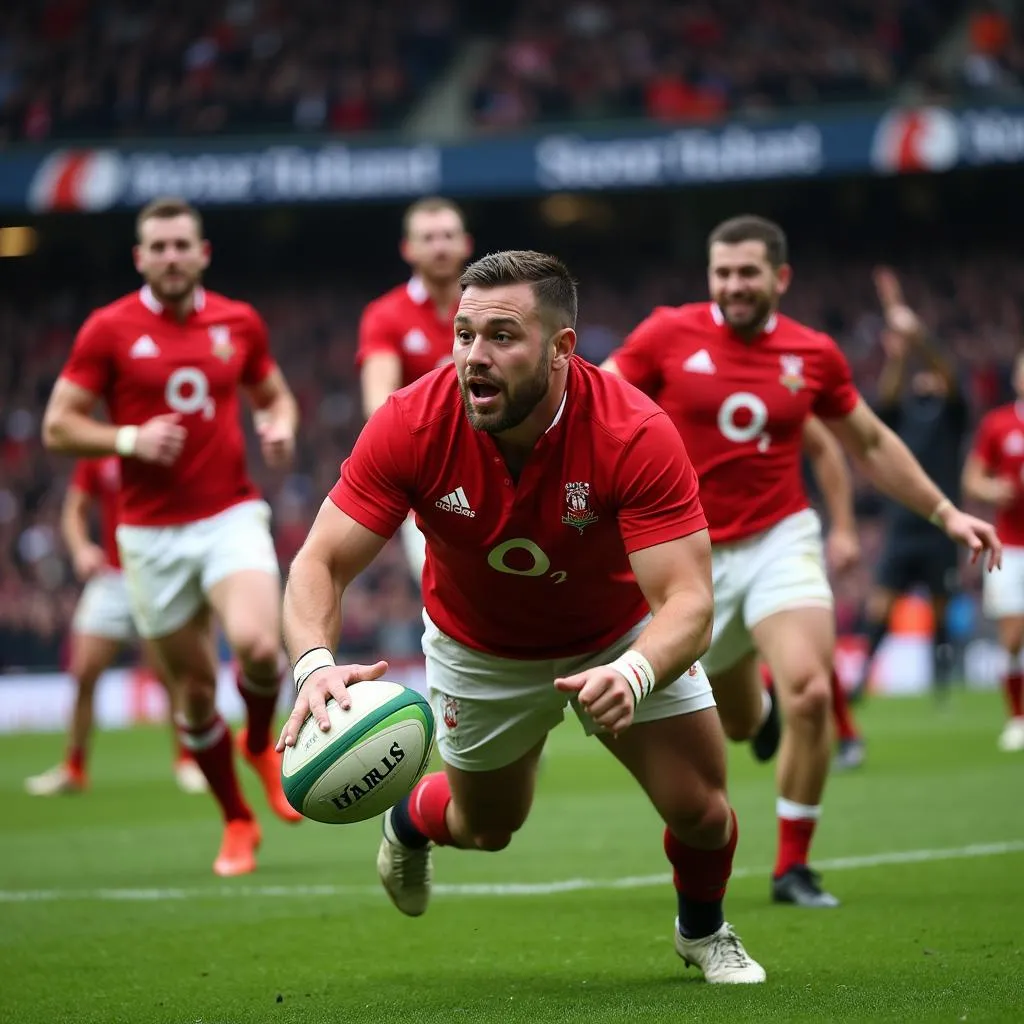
(258, 360)
(377, 333)
(91, 363)
(838, 396)
(659, 499)
(85, 478)
(986, 443)
(638, 359)
(376, 483)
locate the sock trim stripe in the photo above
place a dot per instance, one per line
(204, 737)
(792, 811)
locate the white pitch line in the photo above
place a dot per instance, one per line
(870, 860)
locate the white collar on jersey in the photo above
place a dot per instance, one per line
(1018, 408)
(416, 289)
(154, 305)
(558, 415)
(716, 314)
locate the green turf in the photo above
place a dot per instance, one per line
(128, 923)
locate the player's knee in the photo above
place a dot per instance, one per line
(810, 698)
(706, 821)
(740, 726)
(257, 650)
(492, 840)
(196, 696)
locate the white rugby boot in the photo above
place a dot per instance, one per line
(56, 781)
(1011, 739)
(721, 957)
(404, 871)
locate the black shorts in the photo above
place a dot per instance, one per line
(909, 561)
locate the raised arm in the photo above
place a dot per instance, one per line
(276, 418)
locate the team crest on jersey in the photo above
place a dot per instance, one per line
(220, 339)
(449, 712)
(578, 512)
(1014, 443)
(792, 378)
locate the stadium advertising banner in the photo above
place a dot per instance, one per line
(241, 172)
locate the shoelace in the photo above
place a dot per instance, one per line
(730, 950)
(410, 865)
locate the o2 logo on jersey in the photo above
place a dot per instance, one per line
(188, 392)
(742, 418)
(539, 561)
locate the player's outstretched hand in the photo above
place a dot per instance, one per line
(842, 550)
(161, 439)
(323, 684)
(277, 443)
(899, 317)
(975, 534)
(88, 561)
(604, 694)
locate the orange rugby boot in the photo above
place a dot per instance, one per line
(267, 766)
(238, 848)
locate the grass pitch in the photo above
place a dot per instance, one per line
(109, 911)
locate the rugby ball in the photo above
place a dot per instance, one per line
(372, 755)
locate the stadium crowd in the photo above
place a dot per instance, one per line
(972, 309)
(597, 59)
(80, 69)
(93, 69)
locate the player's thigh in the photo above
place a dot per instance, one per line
(187, 658)
(161, 567)
(1003, 590)
(91, 656)
(680, 763)
(490, 712)
(493, 804)
(798, 645)
(737, 691)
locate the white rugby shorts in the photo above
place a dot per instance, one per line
(170, 569)
(490, 711)
(780, 568)
(1003, 590)
(104, 610)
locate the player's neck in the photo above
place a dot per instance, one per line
(516, 444)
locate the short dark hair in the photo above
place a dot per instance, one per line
(552, 284)
(430, 204)
(748, 228)
(166, 207)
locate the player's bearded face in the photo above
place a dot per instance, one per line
(513, 399)
(171, 257)
(743, 284)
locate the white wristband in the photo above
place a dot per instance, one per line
(310, 662)
(638, 673)
(125, 440)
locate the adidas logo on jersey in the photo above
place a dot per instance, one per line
(144, 348)
(457, 502)
(699, 362)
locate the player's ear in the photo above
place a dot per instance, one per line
(783, 278)
(563, 344)
(137, 257)
(403, 248)
(207, 250)
(467, 245)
